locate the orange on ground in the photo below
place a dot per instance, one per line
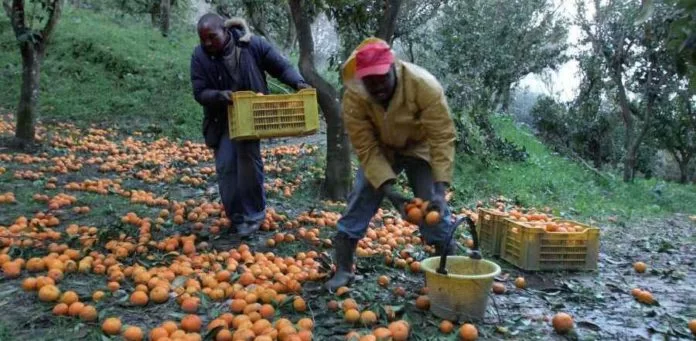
(88, 313)
(446, 327)
(498, 288)
(562, 323)
(368, 318)
(520, 282)
(399, 330)
(640, 267)
(423, 302)
(351, 316)
(60, 309)
(191, 323)
(383, 280)
(139, 298)
(133, 334)
(111, 326)
(382, 334)
(468, 332)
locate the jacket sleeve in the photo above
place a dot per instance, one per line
(363, 137)
(439, 129)
(277, 65)
(201, 93)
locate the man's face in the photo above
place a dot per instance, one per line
(381, 87)
(212, 39)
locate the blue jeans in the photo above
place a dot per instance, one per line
(239, 169)
(364, 201)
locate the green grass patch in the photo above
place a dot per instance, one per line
(547, 179)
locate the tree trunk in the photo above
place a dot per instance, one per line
(155, 13)
(291, 34)
(683, 166)
(165, 14)
(505, 97)
(338, 171)
(388, 24)
(29, 95)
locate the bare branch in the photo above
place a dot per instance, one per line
(55, 9)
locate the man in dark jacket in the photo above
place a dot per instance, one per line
(230, 59)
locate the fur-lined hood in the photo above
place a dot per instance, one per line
(241, 24)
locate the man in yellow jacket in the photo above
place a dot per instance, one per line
(397, 117)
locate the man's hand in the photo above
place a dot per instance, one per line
(438, 201)
(302, 85)
(227, 95)
(399, 201)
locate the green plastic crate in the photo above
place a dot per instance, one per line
(529, 247)
(253, 116)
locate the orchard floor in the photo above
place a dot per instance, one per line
(127, 182)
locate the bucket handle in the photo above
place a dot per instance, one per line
(475, 253)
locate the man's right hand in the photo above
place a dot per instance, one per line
(227, 95)
(398, 200)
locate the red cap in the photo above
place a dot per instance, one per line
(373, 59)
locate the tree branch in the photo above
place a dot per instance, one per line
(388, 23)
(55, 10)
(16, 14)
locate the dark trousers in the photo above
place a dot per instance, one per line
(364, 201)
(239, 169)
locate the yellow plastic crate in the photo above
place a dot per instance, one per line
(490, 227)
(528, 246)
(253, 116)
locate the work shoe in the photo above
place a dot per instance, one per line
(245, 230)
(344, 251)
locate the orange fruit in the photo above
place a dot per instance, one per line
(97, 295)
(305, 324)
(159, 294)
(351, 316)
(88, 313)
(111, 326)
(383, 280)
(342, 291)
(352, 336)
(224, 335)
(368, 337)
(432, 218)
(75, 308)
(133, 334)
(60, 309)
(29, 284)
(446, 327)
(267, 311)
(191, 323)
(498, 288)
(139, 298)
(304, 335)
(332, 305)
(368, 318)
(520, 282)
(415, 215)
(423, 302)
(237, 305)
(415, 267)
(645, 297)
(468, 332)
(692, 326)
(399, 330)
(11, 269)
(49, 293)
(350, 304)
(562, 323)
(382, 334)
(158, 333)
(189, 305)
(640, 267)
(170, 326)
(299, 304)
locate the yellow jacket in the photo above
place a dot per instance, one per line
(417, 123)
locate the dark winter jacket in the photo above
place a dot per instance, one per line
(209, 76)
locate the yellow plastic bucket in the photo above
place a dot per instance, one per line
(462, 294)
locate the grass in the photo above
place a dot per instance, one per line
(548, 179)
(116, 72)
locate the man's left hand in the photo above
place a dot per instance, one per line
(302, 85)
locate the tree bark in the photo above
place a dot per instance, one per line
(155, 12)
(388, 24)
(338, 177)
(291, 34)
(165, 14)
(32, 47)
(29, 94)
